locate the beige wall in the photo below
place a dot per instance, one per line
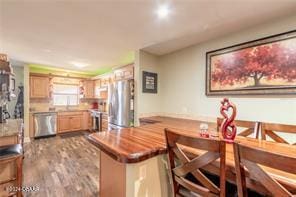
(147, 104)
(183, 81)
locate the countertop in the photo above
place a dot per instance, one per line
(131, 145)
(11, 127)
(62, 111)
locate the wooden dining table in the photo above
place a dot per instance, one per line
(133, 145)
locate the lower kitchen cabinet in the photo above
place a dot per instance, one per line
(70, 122)
(63, 124)
(105, 122)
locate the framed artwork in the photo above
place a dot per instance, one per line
(149, 82)
(264, 66)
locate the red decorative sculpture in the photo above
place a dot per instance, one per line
(228, 128)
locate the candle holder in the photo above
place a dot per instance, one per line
(228, 127)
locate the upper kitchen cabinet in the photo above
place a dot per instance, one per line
(101, 86)
(89, 88)
(39, 87)
(105, 80)
(125, 72)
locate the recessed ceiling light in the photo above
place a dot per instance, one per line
(163, 11)
(79, 64)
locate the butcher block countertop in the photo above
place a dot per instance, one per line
(11, 128)
(131, 145)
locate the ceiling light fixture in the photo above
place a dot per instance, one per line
(163, 11)
(79, 64)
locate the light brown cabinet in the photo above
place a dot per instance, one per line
(70, 121)
(64, 124)
(74, 121)
(89, 89)
(39, 87)
(105, 80)
(104, 122)
(126, 72)
(87, 121)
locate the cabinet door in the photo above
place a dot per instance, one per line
(39, 87)
(97, 88)
(128, 73)
(118, 75)
(64, 124)
(105, 81)
(76, 123)
(89, 88)
(86, 121)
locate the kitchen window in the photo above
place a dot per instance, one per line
(65, 94)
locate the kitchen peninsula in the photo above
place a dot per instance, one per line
(11, 132)
(135, 158)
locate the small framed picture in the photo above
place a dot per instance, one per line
(149, 82)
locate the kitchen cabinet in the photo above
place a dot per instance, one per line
(126, 72)
(100, 92)
(105, 80)
(101, 86)
(70, 121)
(64, 124)
(39, 87)
(87, 121)
(89, 89)
(75, 123)
(104, 122)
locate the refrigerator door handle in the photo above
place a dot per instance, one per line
(109, 111)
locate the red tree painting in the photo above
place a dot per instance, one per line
(264, 66)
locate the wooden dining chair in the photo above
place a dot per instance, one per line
(181, 166)
(252, 159)
(245, 128)
(271, 130)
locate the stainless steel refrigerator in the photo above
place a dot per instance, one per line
(121, 104)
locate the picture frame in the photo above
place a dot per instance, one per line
(265, 66)
(149, 82)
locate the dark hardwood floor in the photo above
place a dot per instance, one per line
(62, 166)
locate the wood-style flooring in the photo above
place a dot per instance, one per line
(61, 166)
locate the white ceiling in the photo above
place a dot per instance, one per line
(103, 32)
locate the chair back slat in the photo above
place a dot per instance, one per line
(253, 159)
(271, 130)
(180, 165)
(249, 127)
(197, 173)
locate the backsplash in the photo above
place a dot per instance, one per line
(44, 105)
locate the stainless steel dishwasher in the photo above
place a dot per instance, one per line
(45, 124)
